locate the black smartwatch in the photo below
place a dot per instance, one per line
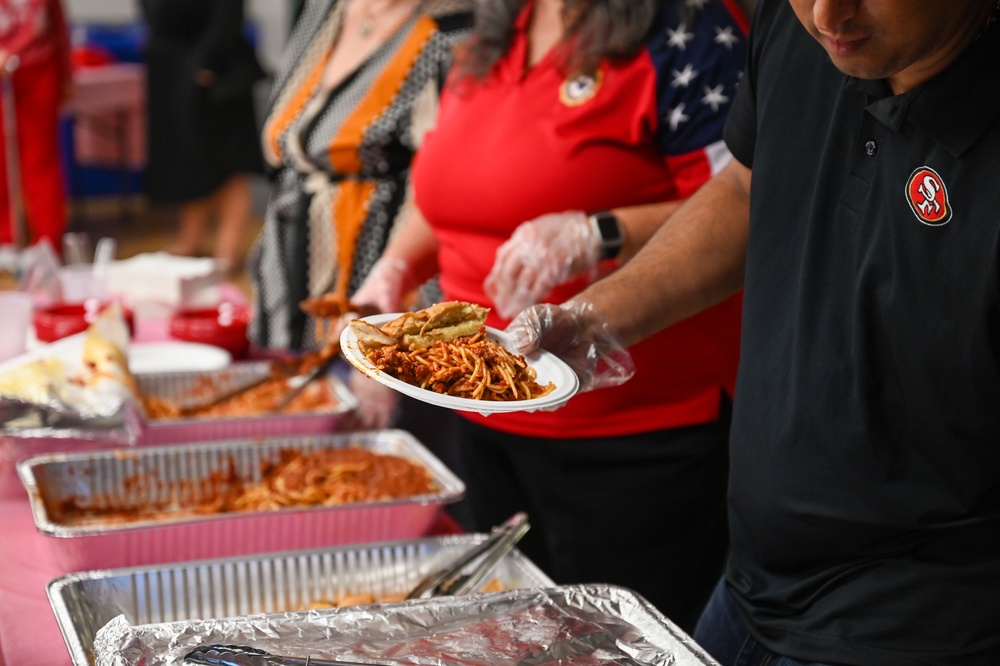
(610, 231)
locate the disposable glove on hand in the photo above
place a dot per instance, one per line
(377, 403)
(383, 286)
(539, 256)
(578, 334)
(381, 290)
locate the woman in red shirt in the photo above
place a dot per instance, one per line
(560, 109)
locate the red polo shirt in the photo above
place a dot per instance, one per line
(526, 143)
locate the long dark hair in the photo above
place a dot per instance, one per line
(595, 30)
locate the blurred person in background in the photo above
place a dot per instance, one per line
(568, 131)
(356, 90)
(34, 33)
(203, 144)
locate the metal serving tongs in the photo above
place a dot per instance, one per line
(297, 383)
(468, 571)
(300, 382)
(241, 655)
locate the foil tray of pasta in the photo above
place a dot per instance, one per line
(318, 409)
(83, 602)
(573, 625)
(146, 505)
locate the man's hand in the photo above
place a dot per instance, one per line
(578, 334)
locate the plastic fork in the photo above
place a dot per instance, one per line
(103, 256)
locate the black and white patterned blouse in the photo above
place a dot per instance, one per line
(342, 159)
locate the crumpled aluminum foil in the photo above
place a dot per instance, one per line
(51, 391)
(120, 422)
(569, 625)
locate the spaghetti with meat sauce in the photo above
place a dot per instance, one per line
(324, 477)
(468, 366)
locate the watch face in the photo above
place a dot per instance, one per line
(610, 232)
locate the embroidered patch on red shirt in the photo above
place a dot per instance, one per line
(579, 89)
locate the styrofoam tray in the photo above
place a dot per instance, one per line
(175, 473)
(84, 602)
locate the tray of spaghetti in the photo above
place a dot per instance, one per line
(445, 355)
(572, 625)
(179, 406)
(216, 499)
(319, 578)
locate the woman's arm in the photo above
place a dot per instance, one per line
(414, 243)
(409, 260)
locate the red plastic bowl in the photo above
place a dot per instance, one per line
(59, 321)
(224, 325)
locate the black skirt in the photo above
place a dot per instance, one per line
(197, 140)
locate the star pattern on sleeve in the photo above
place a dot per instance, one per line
(726, 36)
(714, 98)
(680, 37)
(698, 53)
(683, 78)
(676, 117)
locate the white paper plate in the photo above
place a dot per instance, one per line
(548, 367)
(149, 357)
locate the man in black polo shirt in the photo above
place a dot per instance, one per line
(865, 478)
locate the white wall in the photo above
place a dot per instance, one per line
(271, 17)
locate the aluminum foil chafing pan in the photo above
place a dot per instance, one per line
(570, 626)
(182, 386)
(84, 602)
(173, 475)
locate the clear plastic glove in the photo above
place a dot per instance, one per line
(578, 334)
(540, 255)
(381, 291)
(377, 403)
(383, 286)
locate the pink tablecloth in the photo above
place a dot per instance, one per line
(28, 630)
(29, 633)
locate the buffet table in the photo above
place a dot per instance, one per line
(29, 633)
(28, 630)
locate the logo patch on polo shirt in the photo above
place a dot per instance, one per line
(576, 91)
(928, 197)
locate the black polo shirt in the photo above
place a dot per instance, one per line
(865, 491)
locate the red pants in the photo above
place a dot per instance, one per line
(37, 96)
